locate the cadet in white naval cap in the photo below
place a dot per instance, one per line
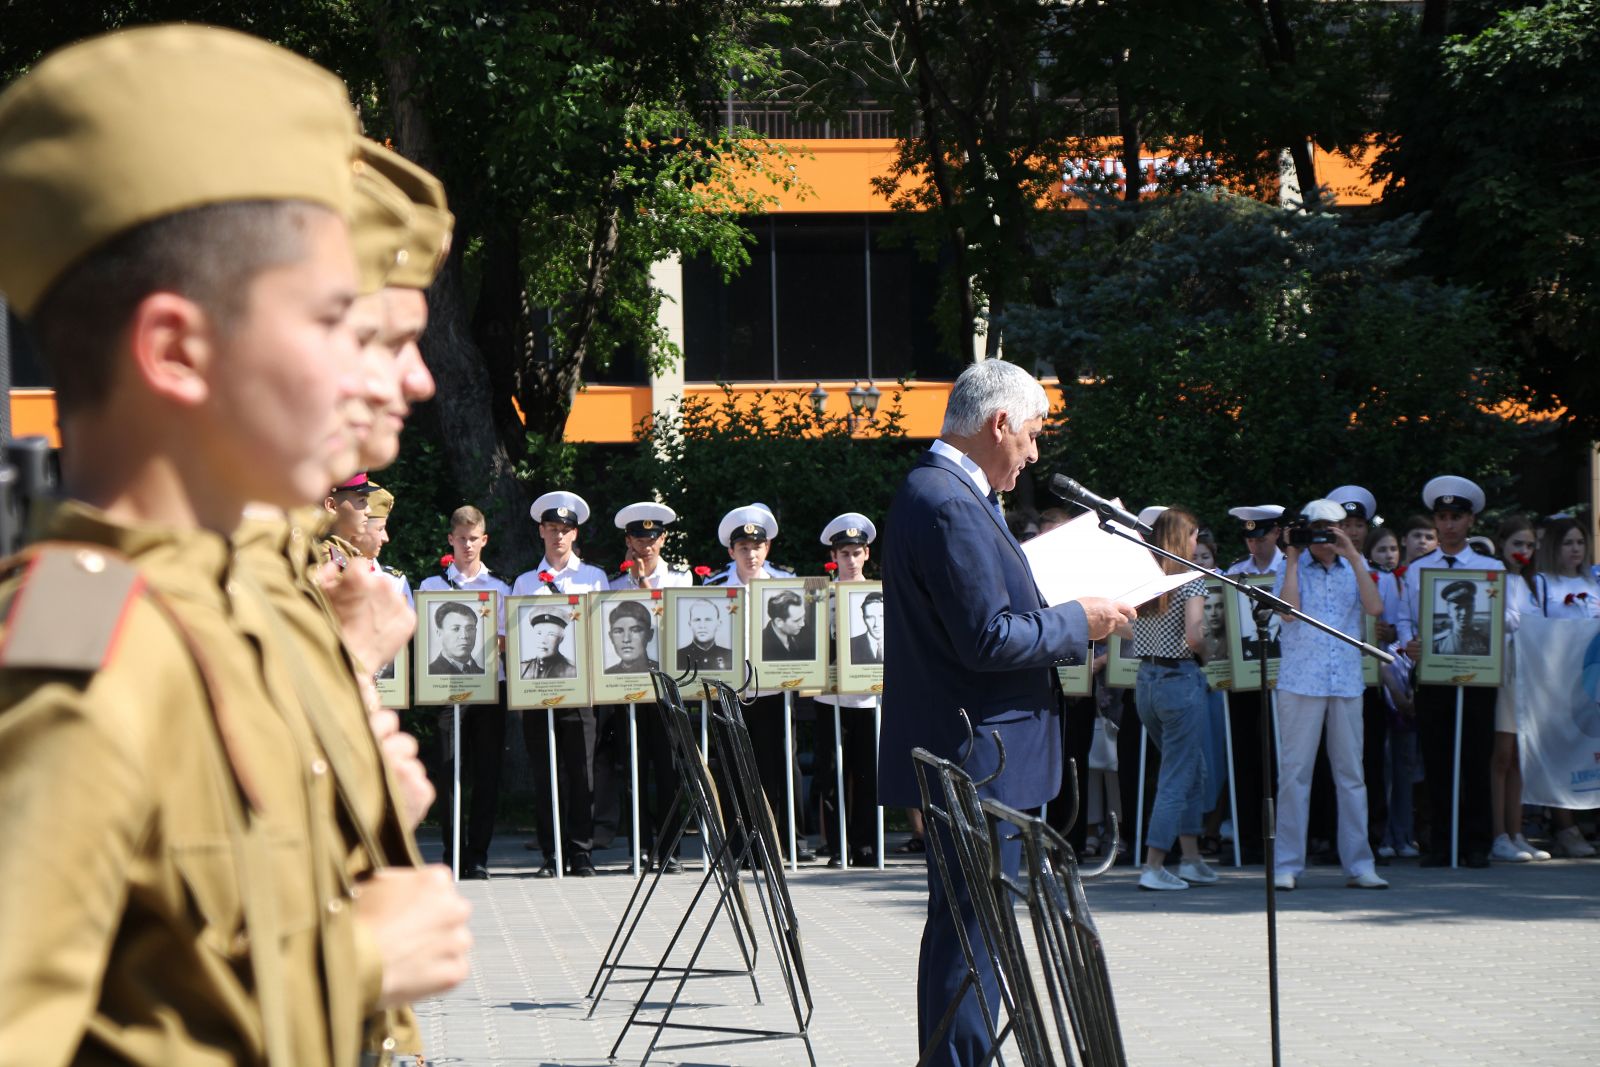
(849, 539)
(1453, 502)
(1258, 524)
(644, 527)
(748, 532)
(559, 515)
(1360, 512)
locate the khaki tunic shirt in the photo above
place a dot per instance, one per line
(123, 933)
(277, 554)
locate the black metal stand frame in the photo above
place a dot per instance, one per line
(1269, 815)
(751, 841)
(694, 798)
(1070, 953)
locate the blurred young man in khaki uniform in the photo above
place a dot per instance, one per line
(383, 788)
(174, 889)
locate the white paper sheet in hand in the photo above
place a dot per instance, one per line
(1079, 559)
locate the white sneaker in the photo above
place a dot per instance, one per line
(1160, 878)
(1369, 880)
(1284, 882)
(1196, 872)
(1407, 852)
(1504, 851)
(1573, 844)
(1386, 852)
(1539, 854)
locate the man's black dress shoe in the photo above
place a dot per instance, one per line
(475, 872)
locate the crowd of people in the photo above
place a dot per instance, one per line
(1347, 754)
(590, 742)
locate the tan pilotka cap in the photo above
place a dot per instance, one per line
(426, 242)
(380, 228)
(122, 129)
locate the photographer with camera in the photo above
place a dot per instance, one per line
(1320, 688)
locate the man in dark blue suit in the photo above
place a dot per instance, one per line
(967, 629)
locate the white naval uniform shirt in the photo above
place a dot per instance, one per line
(576, 577)
(664, 577)
(483, 580)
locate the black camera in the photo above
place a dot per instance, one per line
(1301, 534)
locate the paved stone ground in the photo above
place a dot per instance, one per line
(1489, 967)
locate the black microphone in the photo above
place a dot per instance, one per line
(1073, 493)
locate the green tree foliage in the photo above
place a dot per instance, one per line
(1495, 130)
(578, 149)
(995, 97)
(1237, 352)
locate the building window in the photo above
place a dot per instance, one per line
(826, 296)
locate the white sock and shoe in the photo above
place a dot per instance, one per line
(1366, 880)
(1159, 878)
(1539, 854)
(1197, 872)
(1284, 882)
(1504, 850)
(1572, 843)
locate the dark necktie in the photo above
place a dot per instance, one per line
(994, 505)
(1449, 561)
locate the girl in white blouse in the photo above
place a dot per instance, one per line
(1564, 563)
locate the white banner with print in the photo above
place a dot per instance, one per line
(1557, 684)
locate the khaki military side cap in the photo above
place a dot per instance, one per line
(380, 502)
(427, 241)
(122, 129)
(380, 228)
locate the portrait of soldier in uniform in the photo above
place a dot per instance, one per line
(788, 634)
(1215, 626)
(1459, 629)
(547, 630)
(1256, 619)
(631, 633)
(867, 646)
(455, 639)
(708, 646)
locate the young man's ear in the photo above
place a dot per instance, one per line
(172, 343)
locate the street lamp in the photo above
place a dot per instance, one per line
(819, 399)
(863, 405)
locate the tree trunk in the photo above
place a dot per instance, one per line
(1277, 51)
(473, 440)
(1435, 17)
(1128, 129)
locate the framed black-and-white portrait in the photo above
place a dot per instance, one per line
(547, 650)
(1463, 627)
(858, 608)
(788, 632)
(1216, 661)
(1246, 620)
(625, 635)
(704, 631)
(456, 651)
(393, 680)
(1122, 666)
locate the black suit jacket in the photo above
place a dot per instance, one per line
(861, 650)
(441, 665)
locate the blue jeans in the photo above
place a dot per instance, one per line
(1174, 708)
(1216, 752)
(1401, 760)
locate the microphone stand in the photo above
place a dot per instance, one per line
(1269, 816)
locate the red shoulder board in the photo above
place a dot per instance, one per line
(68, 609)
